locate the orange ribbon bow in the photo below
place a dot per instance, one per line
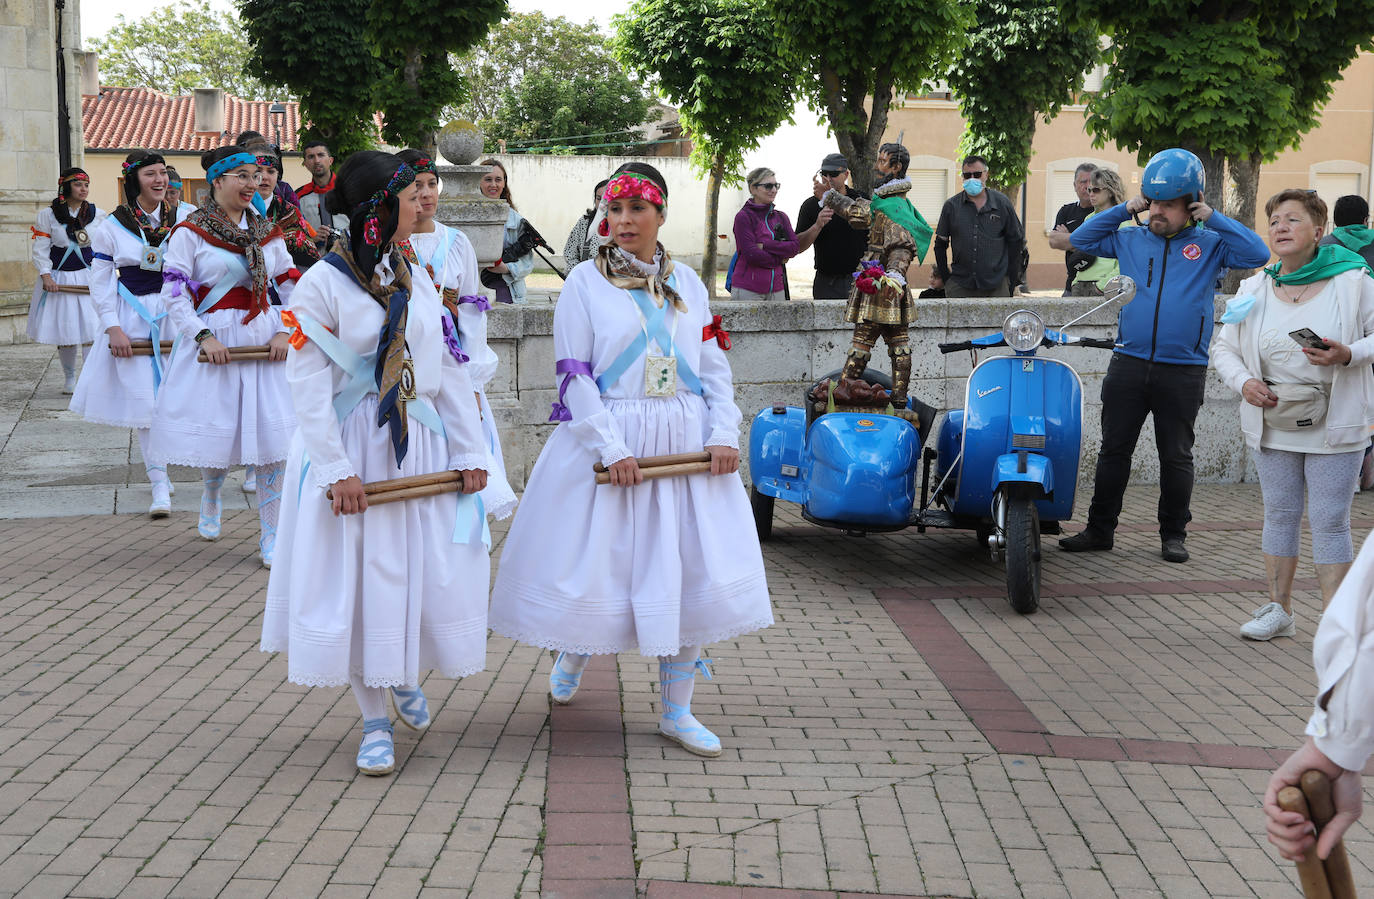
(714, 329)
(37, 234)
(297, 338)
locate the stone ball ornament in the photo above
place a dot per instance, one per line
(461, 142)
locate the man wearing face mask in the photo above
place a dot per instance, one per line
(1163, 335)
(981, 227)
(880, 302)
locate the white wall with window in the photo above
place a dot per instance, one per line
(1338, 177)
(932, 182)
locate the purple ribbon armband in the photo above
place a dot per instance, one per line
(183, 282)
(451, 339)
(481, 302)
(569, 369)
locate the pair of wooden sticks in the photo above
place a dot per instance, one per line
(398, 489)
(260, 353)
(71, 288)
(663, 466)
(1330, 879)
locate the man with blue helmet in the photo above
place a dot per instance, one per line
(1160, 363)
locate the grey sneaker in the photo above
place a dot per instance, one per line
(1275, 622)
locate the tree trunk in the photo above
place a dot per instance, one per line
(415, 62)
(1243, 177)
(1214, 170)
(708, 256)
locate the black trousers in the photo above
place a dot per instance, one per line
(831, 287)
(1173, 394)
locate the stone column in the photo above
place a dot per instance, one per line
(462, 205)
(29, 161)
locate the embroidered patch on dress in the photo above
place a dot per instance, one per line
(660, 375)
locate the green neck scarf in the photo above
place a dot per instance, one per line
(1354, 237)
(900, 210)
(1330, 261)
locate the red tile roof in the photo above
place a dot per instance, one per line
(121, 118)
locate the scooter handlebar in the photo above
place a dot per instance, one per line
(1097, 342)
(968, 345)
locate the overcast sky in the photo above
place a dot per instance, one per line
(98, 18)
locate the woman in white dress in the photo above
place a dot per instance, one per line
(371, 597)
(176, 196)
(116, 387)
(446, 255)
(227, 271)
(663, 566)
(62, 254)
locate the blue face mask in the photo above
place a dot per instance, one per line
(1237, 308)
(973, 186)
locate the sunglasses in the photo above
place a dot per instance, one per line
(1096, 190)
(974, 174)
(768, 185)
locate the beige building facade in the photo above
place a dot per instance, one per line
(31, 31)
(1334, 158)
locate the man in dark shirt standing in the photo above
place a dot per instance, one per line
(839, 247)
(982, 227)
(1071, 215)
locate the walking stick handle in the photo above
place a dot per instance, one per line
(1316, 789)
(1311, 872)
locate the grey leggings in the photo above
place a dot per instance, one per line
(1330, 480)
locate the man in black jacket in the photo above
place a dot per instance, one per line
(1071, 215)
(838, 246)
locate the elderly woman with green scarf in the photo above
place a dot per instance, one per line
(1296, 345)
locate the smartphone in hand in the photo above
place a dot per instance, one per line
(1308, 338)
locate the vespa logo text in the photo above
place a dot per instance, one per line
(983, 393)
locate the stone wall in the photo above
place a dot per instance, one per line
(781, 348)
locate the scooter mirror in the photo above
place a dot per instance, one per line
(1120, 289)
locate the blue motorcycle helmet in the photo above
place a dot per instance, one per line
(1171, 174)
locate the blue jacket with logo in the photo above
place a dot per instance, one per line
(1171, 317)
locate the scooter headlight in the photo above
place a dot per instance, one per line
(1023, 330)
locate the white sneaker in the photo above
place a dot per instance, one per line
(1275, 622)
(162, 500)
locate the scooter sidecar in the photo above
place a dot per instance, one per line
(850, 470)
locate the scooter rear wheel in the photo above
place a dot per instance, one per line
(1023, 554)
(763, 512)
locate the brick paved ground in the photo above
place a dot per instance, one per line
(899, 731)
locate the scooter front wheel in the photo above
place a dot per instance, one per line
(762, 507)
(1023, 554)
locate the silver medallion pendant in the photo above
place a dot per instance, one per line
(407, 386)
(83, 239)
(152, 259)
(660, 375)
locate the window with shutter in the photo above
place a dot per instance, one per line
(929, 190)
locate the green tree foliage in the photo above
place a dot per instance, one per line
(1236, 82)
(319, 48)
(178, 48)
(856, 55)
(546, 109)
(414, 40)
(514, 71)
(1020, 63)
(718, 62)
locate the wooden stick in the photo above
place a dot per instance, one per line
(377, 488)
(145, 347)
(396, 496)
(656, 461)
(1316, 788)
(242, 354)
(71, 288)
(663, 471)
(1311, 872)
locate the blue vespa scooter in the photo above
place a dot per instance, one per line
(1005, 465)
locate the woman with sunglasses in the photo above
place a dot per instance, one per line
(1093, 272)
(226, 276)
(764, 241)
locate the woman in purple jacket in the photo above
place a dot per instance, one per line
(764, 241)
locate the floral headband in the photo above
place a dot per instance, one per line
(130, 167)
(629, 186)
(372, 232)
(232, 161)
(425, 164)
(75, 176)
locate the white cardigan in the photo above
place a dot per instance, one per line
(1342, 721)
(1235, 352)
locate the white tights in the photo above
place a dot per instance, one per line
(66, 354)
(679, 692)
(156, 473)
(371, 700)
